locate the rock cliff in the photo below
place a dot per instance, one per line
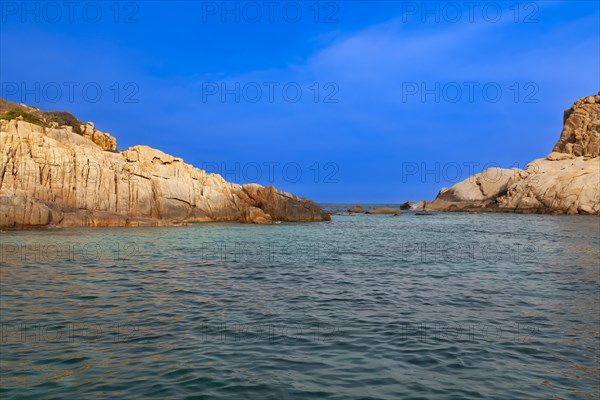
(581, 132)
(565, 182)
(69, 174)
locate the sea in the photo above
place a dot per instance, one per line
(440, 306)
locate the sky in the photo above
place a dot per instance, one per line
(347, 101)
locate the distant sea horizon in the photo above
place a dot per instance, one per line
(338, 207)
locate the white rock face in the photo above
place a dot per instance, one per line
(54, 177)
(565, 182)
(556, 185)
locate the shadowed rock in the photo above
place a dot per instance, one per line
(409, 205)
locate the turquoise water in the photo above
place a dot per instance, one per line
(365, 306)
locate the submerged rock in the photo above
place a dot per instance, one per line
(356, 209)
(385, 210)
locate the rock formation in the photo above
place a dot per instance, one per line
(55, 119)
(409, 205)
(567, 181)
(581, 132)
(478, 191)
(558, 184)
(356, 209)
(385, 210)
(420, 206)
(56, 174)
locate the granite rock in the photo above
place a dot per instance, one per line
(52, 176)
(567, 181)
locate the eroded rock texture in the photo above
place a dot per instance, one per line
(565, 182)
(53, 176)
(581, 132)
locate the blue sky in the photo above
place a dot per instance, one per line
(349, 101)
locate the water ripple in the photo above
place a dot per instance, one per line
(455, 306)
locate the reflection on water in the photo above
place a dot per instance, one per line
(450, 305)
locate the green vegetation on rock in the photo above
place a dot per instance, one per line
(27, 117)
(45, 118)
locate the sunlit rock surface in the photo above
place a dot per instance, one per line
(565, 182)
(53, 176)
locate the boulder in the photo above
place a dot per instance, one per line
(283, 206)
(420, 206)
(407, 206)
(385, 210)
(254, 215)
(103, 140)
(356, 209)
(475, 192)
